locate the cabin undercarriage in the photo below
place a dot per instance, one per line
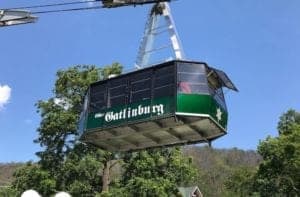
(168, 131)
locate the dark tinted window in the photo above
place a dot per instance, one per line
(140, 95)
(192, 79)
(164, 70)
(118, 82)
(164, 91)
(135, 87)
(140, 86)
(98, 88)
(190, 68)
(118, 91)
(215, 87)
(141, 76)
(120, 100)
(164, 82)
(98, 97)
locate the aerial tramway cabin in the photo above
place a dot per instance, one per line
(173, 103)
(176, 102)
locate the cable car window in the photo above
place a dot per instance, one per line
(215, 87)
(117, 82)
(196, 88)
(118, 91)
(192, 79)
(164, 70)
(98, 88)
(191, 68)
(97, 106)
(164, 91)
(120, 100)
(164, 80)
(141, 76)
(140, 95)
(97, 97)
(218, 96)
(141, 85)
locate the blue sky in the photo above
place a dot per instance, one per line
(256, 42)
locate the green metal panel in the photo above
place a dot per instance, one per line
(140, 111)
(202, 105)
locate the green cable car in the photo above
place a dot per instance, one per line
(173, 103)
(170, 103)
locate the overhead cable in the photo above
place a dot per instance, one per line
(52, 5)
(71, 9)
(67, 10)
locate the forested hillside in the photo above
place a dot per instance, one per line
(6, 172)
(214, 166)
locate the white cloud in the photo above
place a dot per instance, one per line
(5, 92)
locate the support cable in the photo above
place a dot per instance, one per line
(134, 2)
(67, 10)
(52, 5)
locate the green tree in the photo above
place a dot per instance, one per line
(241, 182)
(64, 163)
(81, 175)
(278, 174)
(287, 120)
(60, 114)
(8, 191)
(32, 176)
(157, 172)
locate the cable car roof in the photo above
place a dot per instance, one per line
(222, 76)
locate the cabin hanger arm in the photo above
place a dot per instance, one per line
(15, 17)
(160, 11)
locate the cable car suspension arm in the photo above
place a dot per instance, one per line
(159, 10)
(15, 17)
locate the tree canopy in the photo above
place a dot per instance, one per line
(157, 172)
(278, 173)
(67, 165)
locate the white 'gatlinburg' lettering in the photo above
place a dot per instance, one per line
(130, 113)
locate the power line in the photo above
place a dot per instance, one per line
(67, 10)
(73, 9)
(52, 5)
